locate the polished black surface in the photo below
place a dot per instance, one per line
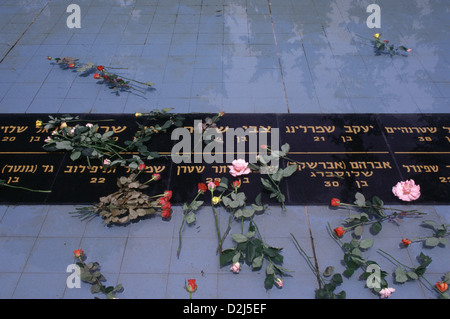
(337, 155)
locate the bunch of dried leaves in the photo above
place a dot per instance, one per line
(127, 204)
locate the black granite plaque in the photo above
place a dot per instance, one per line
(337, 155)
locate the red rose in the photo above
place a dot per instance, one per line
(156, 176)
(202, 187)
(97, 76)
(191, 286)
(442, 286)
(217, 183)
(166, 206)
(168, 195)
(161, 200)
(335, 202)
(71, 65)
(78, 253)
(221, 113)
(339, 231)
(165, 213)
(406, 242)
(236, 184)
(100, 68)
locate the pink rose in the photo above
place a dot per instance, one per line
(386, 292)
(236, 267)
(407, 191)
(239, 167)
(279, 282)
(106, 161)
(211, 186)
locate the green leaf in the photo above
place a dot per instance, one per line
(267, 185)
(95, 288)
(432, 241)
(400, 275)
(289, 170)
(239, 238)
(190, 218)
(328, 271)
(366, 243)
(64, 145)
(360, 200)
(337, 279)
(226, 256)
(257, 262)
(269, 269)
(358, 231)
(376, 228)
(269, 281)
(412, 275)
(278, 175)
(285, 148)
(75, 155)
(377, 201)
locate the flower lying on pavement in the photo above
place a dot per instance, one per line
(191, 287)
(235, 267)
(386, 292)
(442, 286)
(114, 81)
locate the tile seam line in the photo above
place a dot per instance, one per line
(278, 57)
(23, 33)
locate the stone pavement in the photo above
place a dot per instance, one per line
(258, 56)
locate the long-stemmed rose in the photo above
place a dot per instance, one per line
(374, 213)
(114, 81)
(212, 186)
(404, 273)
(90, 273)
(188, 211)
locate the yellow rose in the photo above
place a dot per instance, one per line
(38, 123)
(216, 200)
(63, 125)
(376, 35)
(137, 114)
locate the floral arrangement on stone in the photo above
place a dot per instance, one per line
(373, 212)
(384, 46)
(114, 81)
(85, 141)
(250, 247)
(90, 273)
(129, 203)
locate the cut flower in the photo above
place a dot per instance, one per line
(239, 167)
(407, 190)
(386, 292)
(339, 231)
